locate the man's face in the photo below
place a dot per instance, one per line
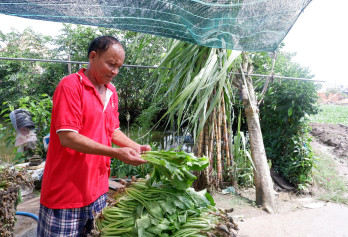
(105, 66)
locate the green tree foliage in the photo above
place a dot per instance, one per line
(284, 118)
(132, 83)
(18, 78)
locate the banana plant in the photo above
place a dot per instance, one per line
(198, 77)
(197, 81)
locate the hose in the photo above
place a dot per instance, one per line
(27, 214)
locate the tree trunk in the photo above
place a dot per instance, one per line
(211, 142)
(207, 126)
(200, 144)
(226, 136)
(218, 150)
(263, 181)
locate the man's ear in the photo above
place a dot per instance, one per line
(92, 55)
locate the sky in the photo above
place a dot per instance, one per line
(319, 38)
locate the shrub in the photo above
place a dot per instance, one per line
(284, 122)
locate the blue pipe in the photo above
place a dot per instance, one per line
(27, 214)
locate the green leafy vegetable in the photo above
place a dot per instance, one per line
(164, 205)
(174, 167)
(154, 211)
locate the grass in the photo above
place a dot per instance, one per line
(333, 114)
(332, 187)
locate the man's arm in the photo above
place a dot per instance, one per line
(86, 145)
(122, 140)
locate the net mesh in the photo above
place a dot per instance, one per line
(249, 25)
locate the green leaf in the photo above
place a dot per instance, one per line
(139, 210)
(167, 205)
(155, 209)
(179, 204)
(162, 226)
(210, 198)
(201, 198)
(143, 223)
(290, 111)
(182, 218)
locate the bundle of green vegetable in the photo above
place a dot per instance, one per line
(174, 167)
(164, 205)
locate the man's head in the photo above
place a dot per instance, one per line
(102, 43)
(106, 56)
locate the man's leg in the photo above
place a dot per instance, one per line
(68, 222)
(94, 208)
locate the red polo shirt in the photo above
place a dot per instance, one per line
(72, 179)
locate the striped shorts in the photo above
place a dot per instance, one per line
(68, 222)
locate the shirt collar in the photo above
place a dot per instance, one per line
(84, 80)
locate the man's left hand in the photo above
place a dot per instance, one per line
(144, 148)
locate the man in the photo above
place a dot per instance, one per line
(83, 126)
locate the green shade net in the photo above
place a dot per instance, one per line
(249, 25)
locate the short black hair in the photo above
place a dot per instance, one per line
(102, 43)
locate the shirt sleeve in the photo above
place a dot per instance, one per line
(116, 113)
(67, 107)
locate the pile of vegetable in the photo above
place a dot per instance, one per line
(165, 205)
(10, 181)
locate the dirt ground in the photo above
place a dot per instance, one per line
(297, 215)
(334, 136)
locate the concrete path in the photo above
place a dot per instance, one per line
(26, 226)
(330, 220)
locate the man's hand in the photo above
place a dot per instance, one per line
(120, 139)
(129, 156)
(144, 148)
(83, 144)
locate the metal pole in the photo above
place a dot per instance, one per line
(69, 65)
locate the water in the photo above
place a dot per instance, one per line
(169, 140)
